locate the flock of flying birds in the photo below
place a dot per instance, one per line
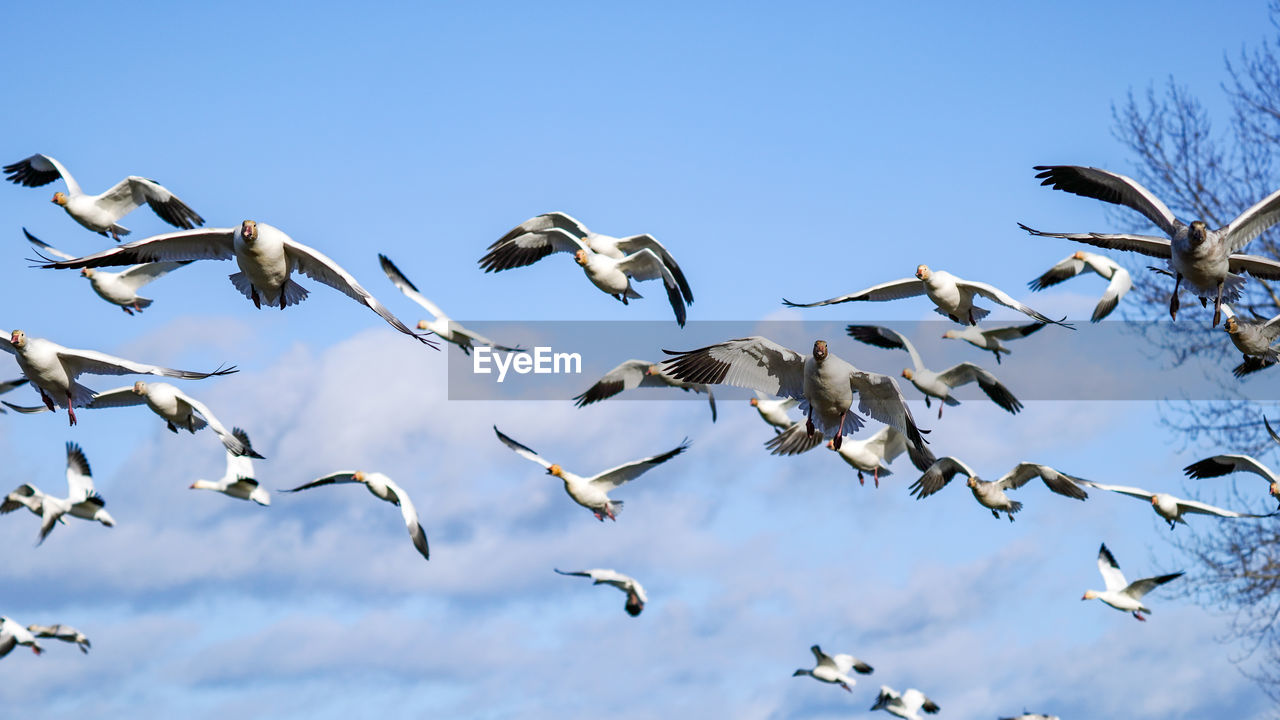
(822, 385)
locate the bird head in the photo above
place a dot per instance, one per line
(755, 402)
(819, 350)
(422, 324)
(86, 272)
(831, 444)
(1198, 232)
(923, 272)
(140, 388)
(1155, 500)
(651, 370)
(972, 482)
(249, 231)
(1089, 595)
(1275, 489)
(580, 257)
(358, 476)
(18, 338)
(1077, 255)
(907, 373)
(950, 335)
(1231, 326)
(634, 606)
(555, 470)
(59, 198)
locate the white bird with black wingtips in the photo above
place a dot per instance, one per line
(991, 494)
(442, 325)
(266, 257)
(1171, 507)
(834, 669)
(634, 374)
(65, 633)
(991, 339)
(383, 488)
(906, 705)
(1122, 595)
(13, 634)
(239, 481)
(1220, 465)
(1076, 263)
(120, 289)
(636, 598)
(101, 213)
(592, 492)
(81, 500)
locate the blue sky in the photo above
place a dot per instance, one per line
(803, 154)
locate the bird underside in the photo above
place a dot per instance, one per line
(290, 293)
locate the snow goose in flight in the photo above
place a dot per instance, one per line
(53, 369)
(1076, 263)
(116, 288)
(100, 213)
(906, 705)
(1121, 595)
(774, 410)
(65, 633)
(1253, 338)
(175, 407)
(13, 634)
(952, 296)
(869, 456)
(81, 500)
(1169, 507)
(936, 384)
(636, 598)
(442, 325)
(1220, 465)
(239, 480)
(383, 488)
(553, 232)
(266, 257)
(1205, 258)
(990, 339)
(635, 374)
(823, 383)
(991, 495)
(834, 669)
(592, 492)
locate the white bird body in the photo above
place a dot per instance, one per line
(101, 212)
(834, 669)
(178, 409)
(65, 633)
(81, 500)
(991, 494)
(870, 455)
(239, 481)
(991, 339)
(774, 412)
(53, 369)
(636, 597)
(906, 705)
(1170, 507)
(13, 634)
(265, 255)
(592, 492)
(117, 288)
(383, 488)
(1122, 595)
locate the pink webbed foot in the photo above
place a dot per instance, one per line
(1139, 616)
(846, 687)
(860, 480)
(48, 401)
(877, 476)
(598, 516)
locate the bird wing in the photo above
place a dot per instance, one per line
(410, 515)
(880, 397)
(46, 247)
(22, 496)
(1110, 569)
(1138, 588)
(317, 266)
(77, 362)
(542, 223)
(409, 289)
(1142, 244)
(1256, 266)
(892, 290)
(1013, 332)
(1252, 222)
(140, 275)
(229, 440)
(613, 477)
(995, 294)
(342, 476)
(646, 265)
(11, 384)
(1193, 506)
(240, 467)
(1058, 482)
(578, 573)
(967, 372)
(820, 657)
(1064, 270)
(756, 363)
(1109, 187)
(888, 443)
(117, 397)
(884, 337)
(1220, 465)
(40, 170)
(627, 376)
(528, 247)
(793, 440)
(1120, 284)
(636, 243)
(202, 244)
(521, 450)
(130, 193)
(938, 475)
(79, 477)
(1123, 489)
